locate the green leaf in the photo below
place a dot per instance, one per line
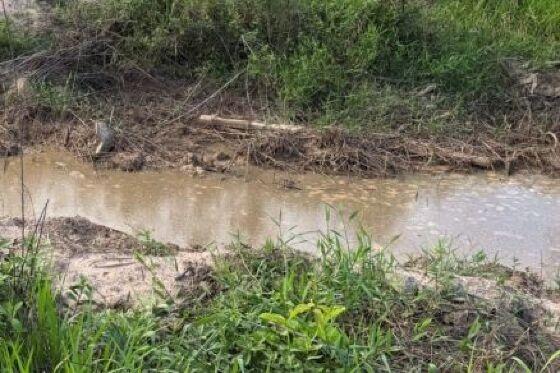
(273, 318)
(521, 364)
(331, 313)
(554, 356)
(305, 344)
(333, 335)
(474, 329)
(299, 309)
(319, 317)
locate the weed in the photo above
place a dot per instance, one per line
(55, 99)
(277, 311)
(151, 246)
(16, 41)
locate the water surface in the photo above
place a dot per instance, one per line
(517, 218)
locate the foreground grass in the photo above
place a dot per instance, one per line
(274, 311)
(359, 63)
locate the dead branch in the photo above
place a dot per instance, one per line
(244, 124)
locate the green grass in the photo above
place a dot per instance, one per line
(355, 62)
(17, 41)
(276, 311)
(359, 63)
(151, 246)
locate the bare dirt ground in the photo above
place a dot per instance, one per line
(114, 264)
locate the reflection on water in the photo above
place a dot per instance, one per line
(515, 217)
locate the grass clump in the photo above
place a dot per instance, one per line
(151, 246)
(351, 62)
(16, 41)
(276, 311)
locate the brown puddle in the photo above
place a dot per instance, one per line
(517, 218)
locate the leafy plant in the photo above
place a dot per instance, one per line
(359, 63)
(299, 333)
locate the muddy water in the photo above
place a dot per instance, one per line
(516, 218)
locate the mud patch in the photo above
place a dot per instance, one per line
(78, 235)
(121, 281)
(113, 265)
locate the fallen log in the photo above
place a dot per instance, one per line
(244, 124)
(428, 152)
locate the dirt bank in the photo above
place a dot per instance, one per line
(117, 266)
(53, 97)
(151, 132)
(196, 149)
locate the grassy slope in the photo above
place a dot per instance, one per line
(356, 62)
(276, 311)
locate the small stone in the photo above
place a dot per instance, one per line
(411, 285)
(106, 137)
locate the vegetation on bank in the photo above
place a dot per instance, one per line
(361, 63)
(273, 310)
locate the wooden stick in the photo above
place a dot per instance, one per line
(244, 124)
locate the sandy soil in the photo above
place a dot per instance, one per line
(106, 258)
(81, 252)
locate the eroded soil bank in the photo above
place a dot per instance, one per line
(148, 136)
(117, 266)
